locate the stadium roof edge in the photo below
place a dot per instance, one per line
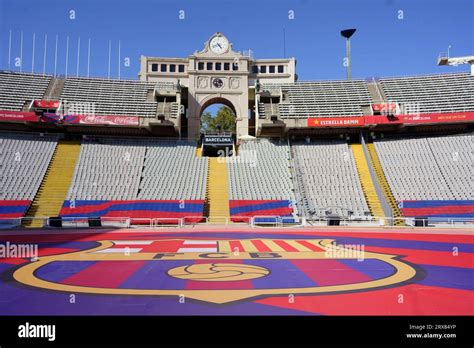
(367, 79)
(423, 75)
(312, 81)
(72, 77)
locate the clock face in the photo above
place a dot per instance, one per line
(219, 44)
(218, 83)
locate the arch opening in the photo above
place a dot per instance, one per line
(218, 127)
(218, 115)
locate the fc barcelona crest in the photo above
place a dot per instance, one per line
(216, 271)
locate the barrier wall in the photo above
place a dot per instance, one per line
(13, 209)
(135, 209)
(441, 209)
(240, 210)
(335, 121)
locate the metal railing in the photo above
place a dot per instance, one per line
(276, 221)
(193, 220)
(223, 133)
(254, 221)
(298, 205)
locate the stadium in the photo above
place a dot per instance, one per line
(323, 197)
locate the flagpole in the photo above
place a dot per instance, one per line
(119, 60)
(78, 55)
(56, 56)
(21, 51)
(9, 50)
(44, 56)
(67, 52)
(110, 46)
(88, 56)
(33, 54)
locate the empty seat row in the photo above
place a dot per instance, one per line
(432, 93)
(261, 172)
(111, 97)
(128, 169)
(24, 161)
(327, 178)
(319, 99)
(16, 89)
(428, 168)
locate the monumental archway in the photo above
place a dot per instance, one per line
(218, 75)
(215, 72)
(217, 101)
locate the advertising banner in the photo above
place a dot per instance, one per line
(18, 116)
(46, 104)
(108, 119)
(355, 121)
(384, 107)
(421, 118)
(89, 119)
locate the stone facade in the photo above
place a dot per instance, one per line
(217, 74)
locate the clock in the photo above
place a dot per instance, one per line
(218, 83)
(219, 44)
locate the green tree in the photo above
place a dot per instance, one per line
(206, 120)
(223, 122)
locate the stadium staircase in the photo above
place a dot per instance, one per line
(53, 190)
(26, 105)
(217, 195)
(368, 187)
(55, 87)
(396, 212)
(376, 92)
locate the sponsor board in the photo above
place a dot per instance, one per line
(18, 116)
(336, 122)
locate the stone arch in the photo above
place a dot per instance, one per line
(210, 100)
(198, 102)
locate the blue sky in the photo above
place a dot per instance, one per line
(384, 44)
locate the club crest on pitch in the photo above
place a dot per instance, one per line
(217, 271)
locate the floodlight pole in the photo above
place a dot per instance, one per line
(348, 55)
(347, 33)
(455, 61)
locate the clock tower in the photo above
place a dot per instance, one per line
(184, 87)
(218, 74)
